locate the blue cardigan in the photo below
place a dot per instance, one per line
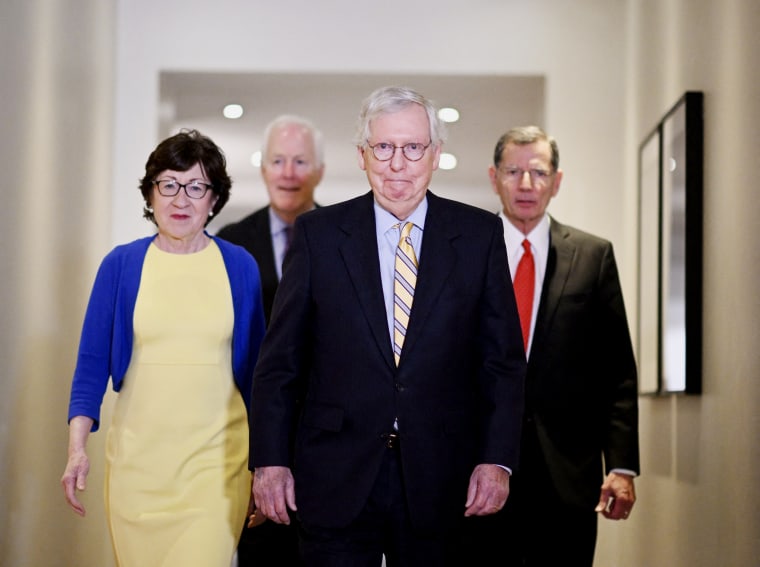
(105, 347)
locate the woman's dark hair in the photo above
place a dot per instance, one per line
(181, 152)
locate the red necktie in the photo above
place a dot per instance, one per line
(524, 284)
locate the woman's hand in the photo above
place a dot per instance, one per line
(75, 476)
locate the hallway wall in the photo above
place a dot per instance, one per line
(701, 455)
(56, 117)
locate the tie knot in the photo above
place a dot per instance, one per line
(406, 230)
(526, 245)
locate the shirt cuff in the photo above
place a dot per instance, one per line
(625, 471)
(509, 471)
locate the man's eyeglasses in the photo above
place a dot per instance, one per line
(194, 189)
(412, 151)
(300, 166)
(515, 175)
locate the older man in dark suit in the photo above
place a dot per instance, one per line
(292, 165)
(410, 421)
(580, 449)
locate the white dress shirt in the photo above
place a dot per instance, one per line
(388, 232)
(539, 245)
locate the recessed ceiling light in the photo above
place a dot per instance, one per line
(447, 161)
(448, 114)
(233, 111)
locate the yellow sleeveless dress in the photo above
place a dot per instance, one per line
(177, 479)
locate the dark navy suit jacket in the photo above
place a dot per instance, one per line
(581, 393)
(254, 233)
(457, 391)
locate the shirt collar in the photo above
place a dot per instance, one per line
(539, 236)
(276, 224)
(384, 220)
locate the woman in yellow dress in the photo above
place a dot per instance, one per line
(175, 320)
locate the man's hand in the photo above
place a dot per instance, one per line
(488, 490)
(274, 492)
(617, 496)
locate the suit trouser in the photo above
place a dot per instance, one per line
(536, 528)
(269, 544)
(383, 528)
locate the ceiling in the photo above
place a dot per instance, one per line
(488, 106)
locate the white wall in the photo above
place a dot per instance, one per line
(56, 108)
(579, 50)
(700, 455)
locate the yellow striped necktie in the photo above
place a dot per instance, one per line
(404, 280)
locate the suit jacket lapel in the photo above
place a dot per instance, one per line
(359, 251)
(261, 243)
(362, 263)
(558, 269)
(437, 259)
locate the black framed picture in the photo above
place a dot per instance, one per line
(649, 264)
(681, 281)
(670, 251)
